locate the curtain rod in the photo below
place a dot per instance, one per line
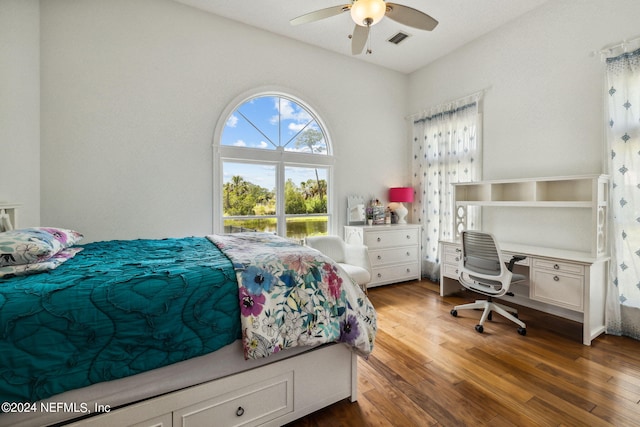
(426, 110)
(624, 44)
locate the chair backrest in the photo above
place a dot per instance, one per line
(481, 266)
(331, 246)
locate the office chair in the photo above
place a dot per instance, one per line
(354, 259)
(482, 270)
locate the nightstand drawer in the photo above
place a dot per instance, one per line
(396, 273)
(384, 239)
(393, 256)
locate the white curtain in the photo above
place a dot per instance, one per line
(623, 139)
(446, 149)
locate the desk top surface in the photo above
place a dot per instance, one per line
(544, 252)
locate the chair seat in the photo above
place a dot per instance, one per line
(359, 274)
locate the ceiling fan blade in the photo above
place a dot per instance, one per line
(409, 16)
(320, 14)
(359, 39)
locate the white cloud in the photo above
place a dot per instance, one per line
(290, 111)
(263, 144)
(296, 127)
(240, 143)
(232, 121)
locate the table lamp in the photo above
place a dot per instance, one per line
(401, 195)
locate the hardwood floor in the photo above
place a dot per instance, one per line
(429, 368)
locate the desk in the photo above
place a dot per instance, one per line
(564, 283)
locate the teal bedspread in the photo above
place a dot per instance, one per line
(117, 309)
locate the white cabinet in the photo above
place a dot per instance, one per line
(394, 251)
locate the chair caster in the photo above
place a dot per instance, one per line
(479, 329)
(522, 331)
(454, 313)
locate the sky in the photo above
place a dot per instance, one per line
(268, 122)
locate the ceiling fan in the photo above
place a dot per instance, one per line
(366, 13)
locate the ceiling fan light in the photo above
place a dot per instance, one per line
(365, 10)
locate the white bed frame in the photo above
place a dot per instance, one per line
(272, 394)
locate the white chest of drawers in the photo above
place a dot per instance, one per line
(394, 251)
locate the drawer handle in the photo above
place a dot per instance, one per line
(379, 275)
(556, 267)
(379, 239)
(408, 253)
(379, 256)
(408, 236)
(556, 278)
(240, 411)
(408, 270)
(457, 259)
(458, 250)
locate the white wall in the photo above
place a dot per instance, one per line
(543, 110)
(132, 91)
(20, 107)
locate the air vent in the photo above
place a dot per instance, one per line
(396, 39)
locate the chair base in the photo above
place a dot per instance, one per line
(488, 307)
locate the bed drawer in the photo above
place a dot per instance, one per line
(252, 405)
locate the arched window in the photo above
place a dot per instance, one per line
(273, 168)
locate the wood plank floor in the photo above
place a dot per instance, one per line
(431, 369)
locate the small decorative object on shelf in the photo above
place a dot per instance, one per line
(375, 212)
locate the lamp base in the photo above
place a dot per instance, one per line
(402, 212)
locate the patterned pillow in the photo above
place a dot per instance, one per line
(49, 264)
(33, 245)
(66, 238)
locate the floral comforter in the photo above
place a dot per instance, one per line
(292, 295)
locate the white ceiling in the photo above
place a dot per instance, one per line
(460, 21)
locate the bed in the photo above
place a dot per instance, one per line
(247, 329)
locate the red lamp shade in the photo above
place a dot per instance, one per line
(401, 194)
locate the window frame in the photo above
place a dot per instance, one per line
(279, 157)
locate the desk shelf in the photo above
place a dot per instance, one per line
(573, 192)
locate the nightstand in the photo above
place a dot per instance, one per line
(394, 251)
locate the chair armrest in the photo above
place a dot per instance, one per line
(357, 255)
(515, 259)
